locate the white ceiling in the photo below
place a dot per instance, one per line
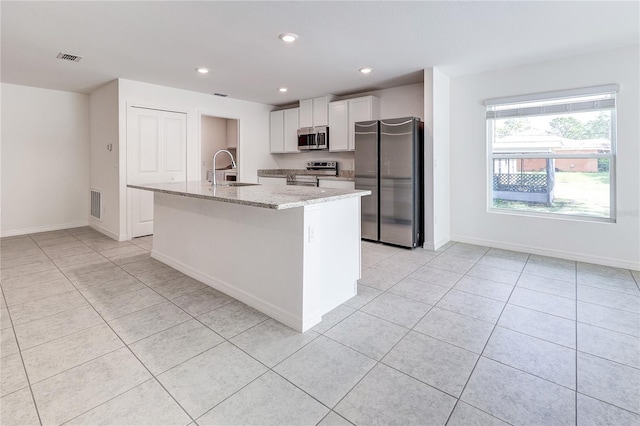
(163, 42)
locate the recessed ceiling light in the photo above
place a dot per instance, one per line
(282, 89)
(202, 70)
(365, 70)
(288, 37)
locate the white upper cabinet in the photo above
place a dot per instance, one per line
(315, 112)
(342, 117)
(277, 131)
(291, 126)
(321, 111)
(306, 113)
(338, 126)
(283, 133)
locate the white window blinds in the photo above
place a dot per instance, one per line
(598, 98)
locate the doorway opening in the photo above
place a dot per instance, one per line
(218, 133)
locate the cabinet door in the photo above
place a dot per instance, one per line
(321, 111)
(279, 181)
(291, 130)
(277, 131)
(339, 184)
(359, 110)
(338, 126)
(306, 113)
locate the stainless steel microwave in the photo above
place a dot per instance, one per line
(313, 138)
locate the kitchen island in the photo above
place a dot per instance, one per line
(290, 252)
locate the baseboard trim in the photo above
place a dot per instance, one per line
(47, 228)
(562, 254)
(433, 246)
(274, 312)
(107, 233)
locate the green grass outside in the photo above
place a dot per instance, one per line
(575, 193)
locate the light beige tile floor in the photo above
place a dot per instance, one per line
(95, 331)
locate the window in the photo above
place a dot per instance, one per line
(553, 153)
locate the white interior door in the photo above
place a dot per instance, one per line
(156, 152)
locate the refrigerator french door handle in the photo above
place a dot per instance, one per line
(396, 124)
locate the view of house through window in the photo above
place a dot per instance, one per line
(553, 156)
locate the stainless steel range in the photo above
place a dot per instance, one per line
(314, 170)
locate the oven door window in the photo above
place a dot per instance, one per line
(307, 141)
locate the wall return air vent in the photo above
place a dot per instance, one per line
(96, 204)
(69, 57)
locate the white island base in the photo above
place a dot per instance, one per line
(294, 265)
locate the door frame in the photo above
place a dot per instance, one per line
(201, 114)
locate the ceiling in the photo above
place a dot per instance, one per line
(163, 42)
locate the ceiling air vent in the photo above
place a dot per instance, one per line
(224, 95)
(69, 57)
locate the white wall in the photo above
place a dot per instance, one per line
(441, 159)
(436, 159)
(105, 170)
(429, 184)
(45, 160)
(213, 131)
(616, 244)
(401, 101)
(253, 139)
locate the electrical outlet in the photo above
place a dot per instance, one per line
(312, 234)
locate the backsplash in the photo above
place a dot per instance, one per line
(342, 174)
(346, 160)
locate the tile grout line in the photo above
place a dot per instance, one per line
(331, 409)
(128, 348)
(359, 309)
(198, 320)
(15, 336)
(412, 329)
(192, 317)
(484, 348)
(459, 398)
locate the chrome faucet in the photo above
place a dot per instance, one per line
(233, 165)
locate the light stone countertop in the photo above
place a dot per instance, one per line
(265, 196)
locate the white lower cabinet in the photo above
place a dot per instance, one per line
(339, 184)
(342, 117)
(262, 180)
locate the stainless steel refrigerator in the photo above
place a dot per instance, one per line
(389, 161)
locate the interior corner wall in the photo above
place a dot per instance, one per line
(45, 160)
(441, 159)
(614, 244)
(429, 211)
(105, 162)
